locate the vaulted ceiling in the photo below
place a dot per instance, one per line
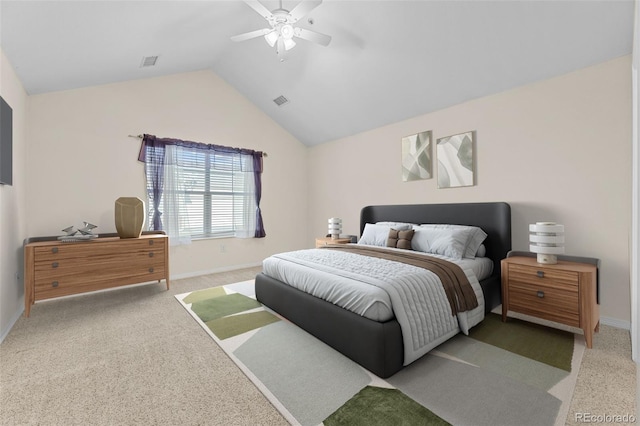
(387, 61)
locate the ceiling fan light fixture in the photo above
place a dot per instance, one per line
(271, 38)
(289, 44)
(286, 31)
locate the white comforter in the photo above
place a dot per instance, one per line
(366, 284)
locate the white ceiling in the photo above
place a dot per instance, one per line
(388, 60)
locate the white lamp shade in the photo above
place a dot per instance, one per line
(271, 38)
(335, 227)
(546, 240)
(289, 44)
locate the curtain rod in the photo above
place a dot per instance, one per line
(264, 154)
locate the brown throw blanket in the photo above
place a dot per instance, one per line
(454, 281)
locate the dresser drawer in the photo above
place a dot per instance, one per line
(543, 276)
(103, 267)
(50, 287)
(95, 248)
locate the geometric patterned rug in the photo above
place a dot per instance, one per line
(513, 373)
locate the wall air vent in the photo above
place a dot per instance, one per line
(148, 61)
(280, 100)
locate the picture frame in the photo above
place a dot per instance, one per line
(416, 156)
(456, 160)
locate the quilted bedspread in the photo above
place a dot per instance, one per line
(417, 297)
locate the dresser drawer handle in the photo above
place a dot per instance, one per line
(54, 284)
(150, 254)
(540, 294)
(54, 250)
(150, 242)
(540, 274)
(151, 270)
(54, 264)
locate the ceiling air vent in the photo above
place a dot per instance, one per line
(148, 61)
(280, 100)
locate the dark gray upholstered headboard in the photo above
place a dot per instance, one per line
(493, 218)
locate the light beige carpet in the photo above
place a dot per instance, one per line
(131, 356)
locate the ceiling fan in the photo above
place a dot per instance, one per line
(282, 31)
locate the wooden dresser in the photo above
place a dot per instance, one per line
(55, 268)
(564, 292)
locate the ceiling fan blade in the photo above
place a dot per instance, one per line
(251, 34)
(303, 8)
(258, 7)
(312, 36)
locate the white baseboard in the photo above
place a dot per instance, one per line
(13, 321)
(214, 271)
(617, 323)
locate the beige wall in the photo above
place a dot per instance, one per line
(555, 150)
(558, 150)
(81, 160)
(12, 203)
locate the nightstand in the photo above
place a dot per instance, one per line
(564, 292)
(323, 241)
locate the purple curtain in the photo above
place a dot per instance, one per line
(152, 152)
(257, 176)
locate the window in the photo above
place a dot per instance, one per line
(202, 191)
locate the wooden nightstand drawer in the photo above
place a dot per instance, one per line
(554, 304)
(543, 276)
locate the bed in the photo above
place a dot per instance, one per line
(378, 345)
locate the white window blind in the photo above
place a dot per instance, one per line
(206, 194)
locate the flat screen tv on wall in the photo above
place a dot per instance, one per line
(6, 143)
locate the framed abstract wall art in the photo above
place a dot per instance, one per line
(455, 155)
(416, 156)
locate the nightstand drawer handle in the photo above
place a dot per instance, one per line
(540, 274)
(150, 242)
(540, 294)
(54, 284)
(150, 254)
(150, 270)
(54, 250)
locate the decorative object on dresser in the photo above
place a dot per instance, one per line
(129, 216)
(565, 292)
(547, 241)
(323, 241)
(335, 227)
(456, 160)
(71, 234)
(416, 156)
(54, 268)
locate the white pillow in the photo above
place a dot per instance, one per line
(482, 251)
(375, 235)
(398, 226)
(474, 237)
(447, 242)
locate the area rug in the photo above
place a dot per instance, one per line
(513, 373)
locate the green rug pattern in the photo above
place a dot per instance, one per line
(374, 406)
(501, 374)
